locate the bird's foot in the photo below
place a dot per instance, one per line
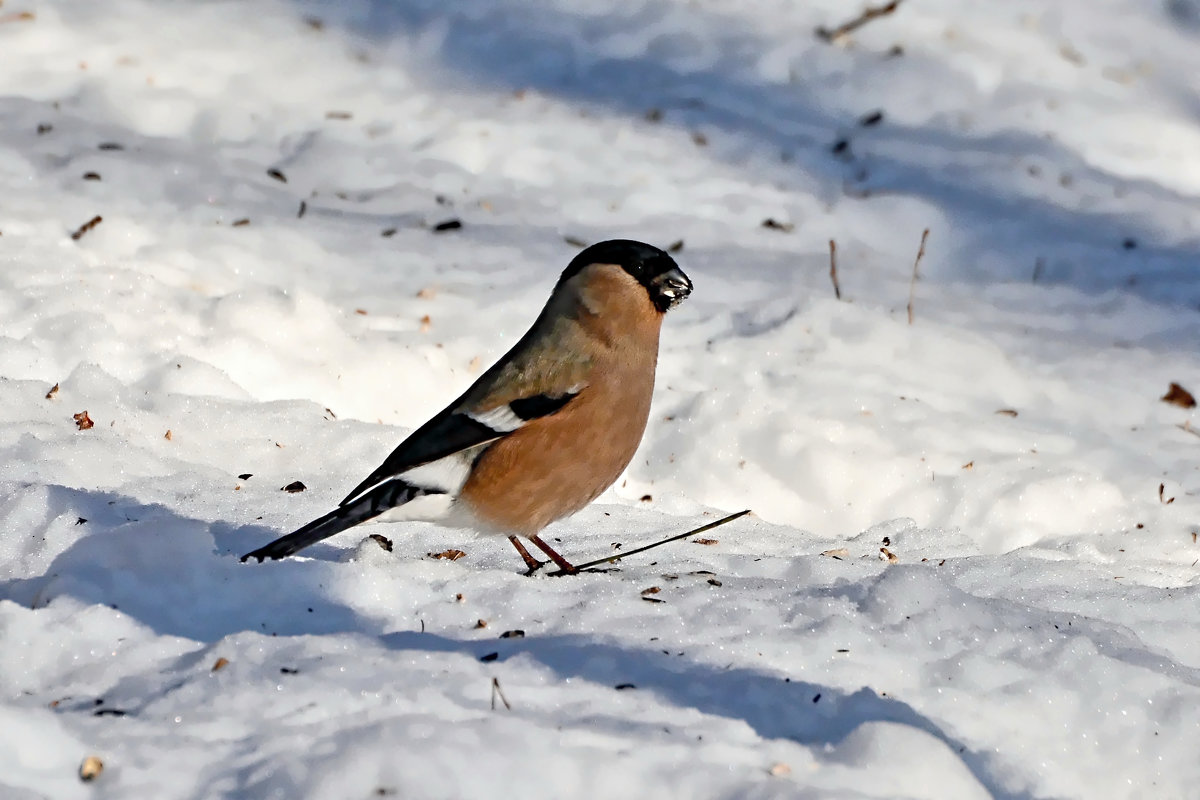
(564, 567)
(535, 568)
(532, 563)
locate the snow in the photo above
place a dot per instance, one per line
(1036, 630)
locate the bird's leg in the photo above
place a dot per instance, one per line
(566, 566)
(531, 562)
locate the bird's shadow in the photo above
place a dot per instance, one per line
(181, 577)
(774, 707)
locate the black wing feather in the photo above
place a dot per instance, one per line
(540, 405)
(444, 435)
(452, 432)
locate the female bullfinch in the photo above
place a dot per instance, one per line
(544, 431)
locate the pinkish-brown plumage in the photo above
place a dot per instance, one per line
(545, 430)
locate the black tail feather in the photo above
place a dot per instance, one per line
(380, 499)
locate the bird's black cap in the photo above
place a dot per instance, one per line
(646, 263)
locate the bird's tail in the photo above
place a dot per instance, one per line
(370, 505)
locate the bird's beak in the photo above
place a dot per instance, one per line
(670, 288)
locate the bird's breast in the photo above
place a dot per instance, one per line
(556, 465)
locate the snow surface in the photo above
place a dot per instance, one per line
(1038, 633)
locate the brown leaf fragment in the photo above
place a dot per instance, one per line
(780, 769)
(83, 420)
(220, 663)
(85, 227)
(706, 541)
(277, 175)
(575, 241)
(241, 223)
(516, 633)
(43, 128)
(1178, 396)
(382, 541)
(302, 210)
(647, 498)
(969, 465)
(839, 553)
(1161, 487)
(771, 224)
(362, 312)
(53, 391)
(427, 293)
(167, 435)
(449, 555)
(714, 582)
(426, 324)
(91, 176)
(388, 233)
(90, 769)
(675, 247)
(651, 590)
(888, 555)
(480, 623)
(1007, 412)
(1068, 52)
(293, 487)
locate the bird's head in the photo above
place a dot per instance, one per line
(657, 272)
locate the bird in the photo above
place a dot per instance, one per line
(546, 429)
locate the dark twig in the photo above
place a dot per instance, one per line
(676, 537)
(869, 13)
(837, 290)
(496, 690)
(912, 285)
(87, 226)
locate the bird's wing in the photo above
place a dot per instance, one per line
(537, 377)
(458, 429)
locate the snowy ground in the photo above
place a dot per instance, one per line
(1037, 634)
